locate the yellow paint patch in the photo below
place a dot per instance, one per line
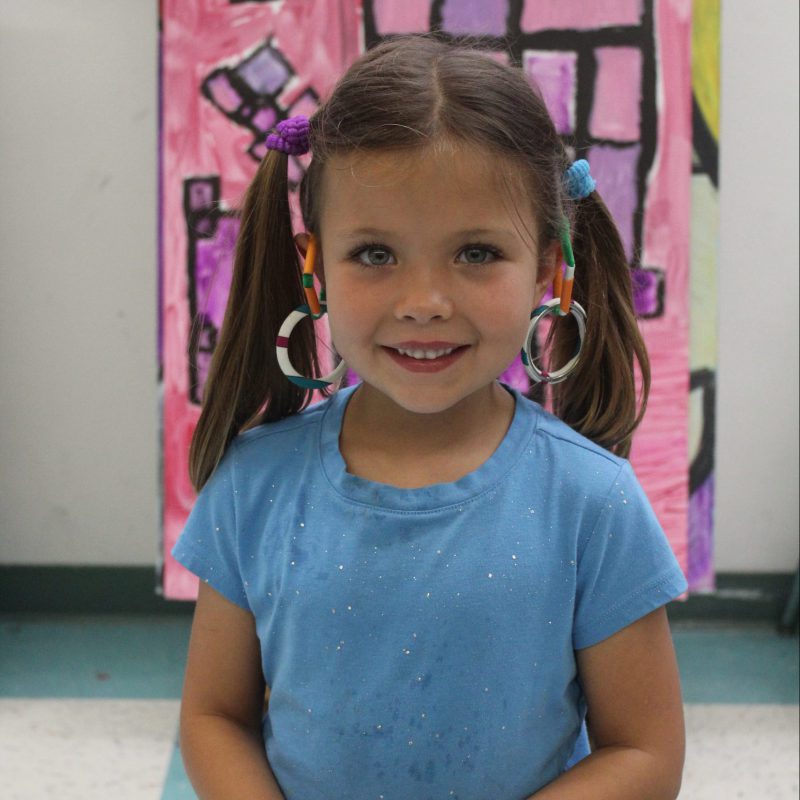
(705, 61)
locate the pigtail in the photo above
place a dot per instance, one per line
(245, 385)
(599, 398)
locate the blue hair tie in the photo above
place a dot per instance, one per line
(578, 180)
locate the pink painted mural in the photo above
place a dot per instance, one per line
(616, 76)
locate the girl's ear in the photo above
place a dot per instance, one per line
(301, 242)
(549, 261)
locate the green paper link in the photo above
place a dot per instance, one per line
(308, 383)
(304, 309)
(566, 244)
(308, 280)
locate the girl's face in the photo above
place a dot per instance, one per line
(430, 273)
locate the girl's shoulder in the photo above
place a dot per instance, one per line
(574, 458)
(259, 457)
(283, 431)
(568, 442)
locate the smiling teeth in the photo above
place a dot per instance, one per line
(426, 354)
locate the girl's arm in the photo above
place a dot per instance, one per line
(634, 717)
(223, 695)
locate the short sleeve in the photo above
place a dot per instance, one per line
(208, 544)
(626, 568)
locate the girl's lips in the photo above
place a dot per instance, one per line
(415, 345)
(426, 364)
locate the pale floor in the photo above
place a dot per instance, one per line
(89, 710)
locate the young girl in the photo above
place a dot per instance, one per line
(435, 582)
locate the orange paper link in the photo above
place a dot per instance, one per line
(558, 282)
(566, 296)
(308, 269)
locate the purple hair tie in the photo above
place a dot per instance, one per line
(291, 136)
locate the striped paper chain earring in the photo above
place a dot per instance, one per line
(579, 184)
(316, 308)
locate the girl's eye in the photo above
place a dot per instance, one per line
(478, 253)
(376, 255)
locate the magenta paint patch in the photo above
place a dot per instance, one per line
(543, 15)
(475, 16)
(615, 170)
(554, 73)
(616, 111)
(410, 16)
(516, 377)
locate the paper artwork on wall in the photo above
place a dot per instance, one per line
(621, 86)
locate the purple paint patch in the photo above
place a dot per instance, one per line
(410, 16)
(223, 94)
(701, 537)
(578, 14)
(213, 270)
(475, 16)
(212, 273)
(201, 195)
(614, 169)
(616, 111)
(264, 71)
(554, 73)
(648, 291)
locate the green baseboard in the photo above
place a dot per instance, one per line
(84, 590)
(756, 597)
(739, 597)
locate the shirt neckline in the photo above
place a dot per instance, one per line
(426, 498)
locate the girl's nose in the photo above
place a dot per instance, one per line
(423, 299)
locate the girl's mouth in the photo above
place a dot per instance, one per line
(428, 359)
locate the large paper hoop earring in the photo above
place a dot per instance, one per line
(553, 307)
(282, 351)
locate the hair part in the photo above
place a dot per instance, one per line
(408, 93)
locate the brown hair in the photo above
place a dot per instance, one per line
(406, 93)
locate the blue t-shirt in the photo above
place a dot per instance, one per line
(421, 642)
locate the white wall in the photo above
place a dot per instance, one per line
(78, 406)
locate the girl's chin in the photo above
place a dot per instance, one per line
(413, 398)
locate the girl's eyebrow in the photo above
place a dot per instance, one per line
(464, 234)
(376, 232)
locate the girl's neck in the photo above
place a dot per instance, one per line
(383, 442)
